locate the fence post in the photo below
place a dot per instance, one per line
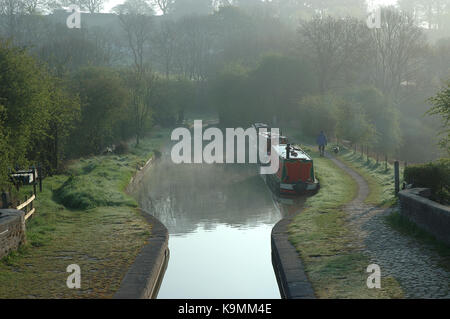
(4, 200)
(34, 179)
(40, 176)
(397, 177)
(404, 170)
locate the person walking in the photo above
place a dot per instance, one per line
(322, 142)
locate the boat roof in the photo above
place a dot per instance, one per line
(269, 135)
(260, 125)
(296, 152)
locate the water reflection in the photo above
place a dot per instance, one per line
(183, 196)
(219, 218)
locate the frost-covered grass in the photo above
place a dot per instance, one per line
(82, 218)
(326, 243)
(379, 179)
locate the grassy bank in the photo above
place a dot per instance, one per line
(326, 244)
(379, 179)
(82, 218)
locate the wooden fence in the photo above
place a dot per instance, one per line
(27, 206)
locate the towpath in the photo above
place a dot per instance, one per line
(414, 265)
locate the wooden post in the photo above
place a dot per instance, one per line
(397, 177)
(40, 176)
(404, 169)
(26, 207)
(385, 161)
(34, 179)
(367, 153)
(4, 200)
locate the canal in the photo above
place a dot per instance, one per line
(219, 218)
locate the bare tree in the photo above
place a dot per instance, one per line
(93, 6)
(397, 49)
(165, 42)
(33, 6)
(164, 5)
(142, 95)
(194, 47)
(135, 18)
(11, 10)
(336, 45)
(431, 13)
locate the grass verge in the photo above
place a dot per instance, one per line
(320, 234)
(82, 218)
(380, 180)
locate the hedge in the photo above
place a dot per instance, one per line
(433, 175)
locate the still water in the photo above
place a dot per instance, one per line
(219, 219)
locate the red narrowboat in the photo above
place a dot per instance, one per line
(295, 173)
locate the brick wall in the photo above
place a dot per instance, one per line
(12, 230)
(429, 215)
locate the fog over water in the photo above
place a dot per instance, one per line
(219, 218)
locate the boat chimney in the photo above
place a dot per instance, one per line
(288, 151)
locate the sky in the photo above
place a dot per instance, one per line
(109, 4)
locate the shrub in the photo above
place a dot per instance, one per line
(434, 175)
(121, 148)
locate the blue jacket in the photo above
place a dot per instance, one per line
(322, 139)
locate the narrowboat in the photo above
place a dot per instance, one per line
(259, 126)
(295, 173)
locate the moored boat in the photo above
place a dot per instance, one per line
(295, 174)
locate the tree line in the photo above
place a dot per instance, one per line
(48, 119)
(66, 93)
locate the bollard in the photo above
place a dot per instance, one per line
(4, 200)
(397, 177)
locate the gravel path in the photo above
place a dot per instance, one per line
(414, 265)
